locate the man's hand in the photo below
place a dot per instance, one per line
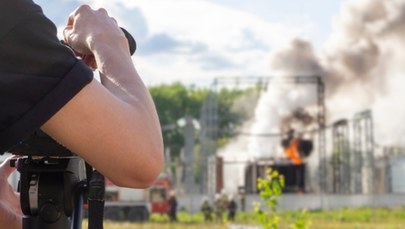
(86, 29)
(10, 209)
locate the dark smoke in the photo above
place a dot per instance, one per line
(361, 65)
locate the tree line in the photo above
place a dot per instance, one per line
(175, 101)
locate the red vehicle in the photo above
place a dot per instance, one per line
(137, 204)
(158, 194)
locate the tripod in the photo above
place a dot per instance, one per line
(53, 192)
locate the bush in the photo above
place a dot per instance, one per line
(270, 188)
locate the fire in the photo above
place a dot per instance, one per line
(292, 152)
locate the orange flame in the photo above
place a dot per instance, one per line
(292, 152)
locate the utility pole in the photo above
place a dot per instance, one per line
(189, 130)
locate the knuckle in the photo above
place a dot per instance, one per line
(102, 10)
(83, 8)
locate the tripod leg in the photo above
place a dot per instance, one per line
(96, 200)
(78, 211)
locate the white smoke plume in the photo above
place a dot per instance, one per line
(279, 104)
(361, 66)
(364, 65)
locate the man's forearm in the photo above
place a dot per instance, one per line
(113, 126)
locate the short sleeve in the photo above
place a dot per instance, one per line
(38, 74)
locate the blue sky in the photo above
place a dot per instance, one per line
(194, 41)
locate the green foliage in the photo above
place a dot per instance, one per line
(182, 217)
(175, 101)
(348, 218)
(159, 218)
(302, 221)
(229, 119)
(271, 188)
(359, 214)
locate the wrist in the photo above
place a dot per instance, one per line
(104, 45)
(107, 53)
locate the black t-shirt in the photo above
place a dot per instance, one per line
(38, 75)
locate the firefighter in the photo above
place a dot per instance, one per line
(206, 209)
(220, 208)
(172, 201)
(232, 206)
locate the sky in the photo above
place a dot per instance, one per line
(196, 41)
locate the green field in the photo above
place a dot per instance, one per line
(361, 218)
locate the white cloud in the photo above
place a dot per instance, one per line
(192, 41)
(208, 40)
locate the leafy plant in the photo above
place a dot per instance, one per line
(271, 188)
(302, 221)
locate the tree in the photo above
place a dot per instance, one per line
(175, 101)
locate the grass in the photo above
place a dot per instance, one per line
(358, 218)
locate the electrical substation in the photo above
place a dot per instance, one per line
(346, 166)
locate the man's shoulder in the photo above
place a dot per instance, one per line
(12, 12)
(20, 6)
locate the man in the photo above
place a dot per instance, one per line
(206, 209)
(232, 207)
(172, 202)
(113, 125)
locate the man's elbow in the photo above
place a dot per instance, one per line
(143, 175)
(148, 175)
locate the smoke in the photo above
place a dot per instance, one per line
(286, 105)
(296, 58)
(361, 66)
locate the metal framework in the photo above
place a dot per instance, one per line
(364, 152)
(209, 114)
(341, 157)
(353, 155)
